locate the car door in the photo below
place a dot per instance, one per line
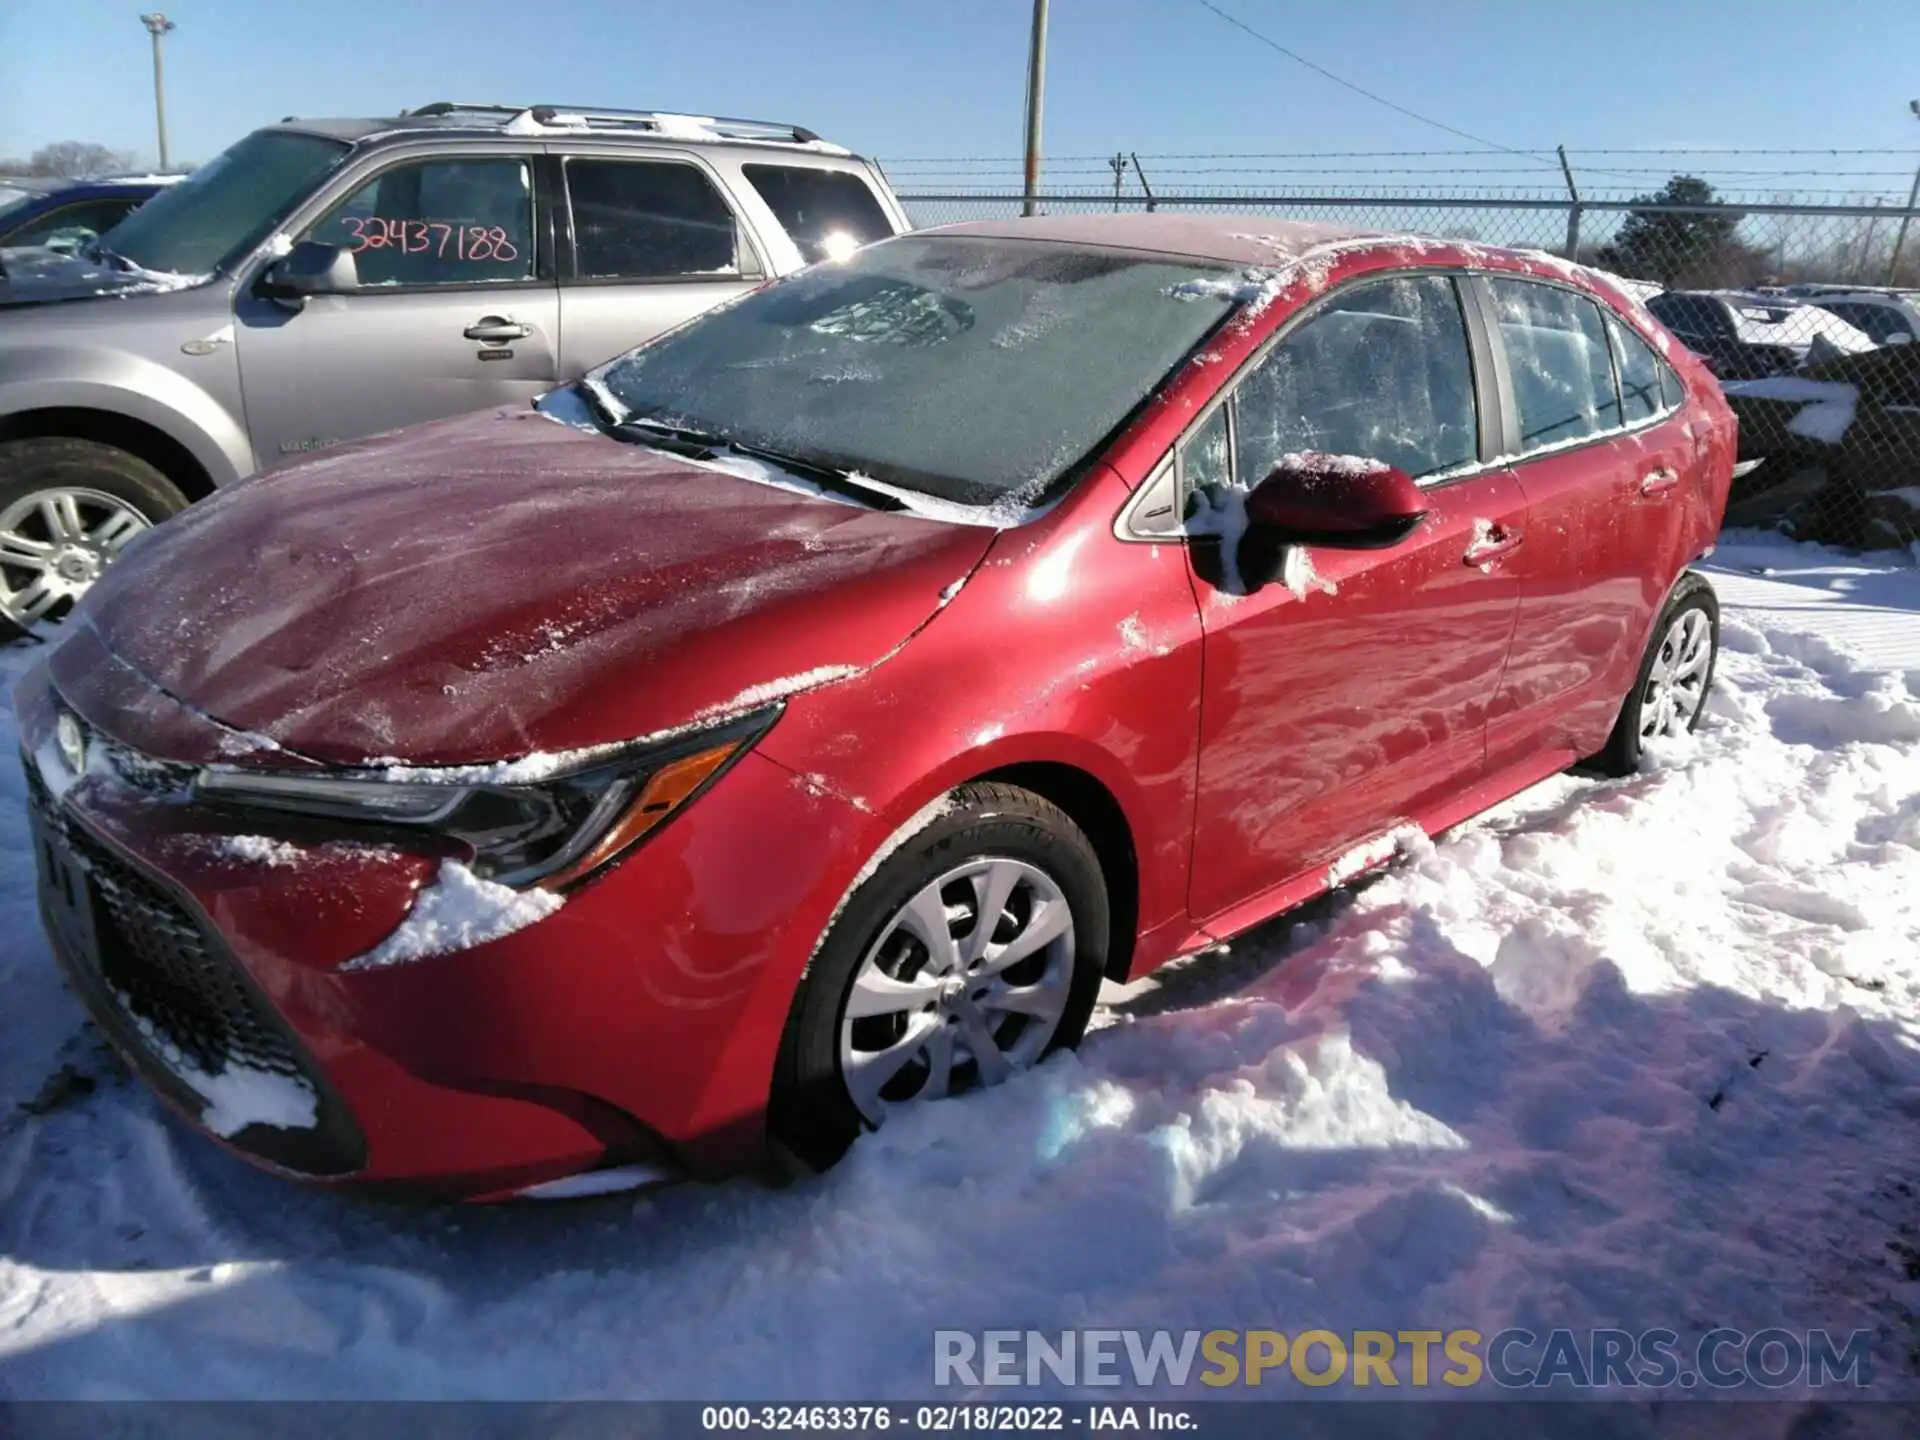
(1606, 457)
(649, 244)
(456, 309)
(1338, 706)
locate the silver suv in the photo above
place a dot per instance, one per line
(327, 279)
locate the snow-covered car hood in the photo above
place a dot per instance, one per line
(1797, 328)
(499, 585)
(33, 275)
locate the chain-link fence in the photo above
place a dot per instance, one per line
(1808, 312)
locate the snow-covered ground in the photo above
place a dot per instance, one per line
(1626, 1054)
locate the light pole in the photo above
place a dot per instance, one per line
(158, 25)
(1036, 85)
(1913, 198)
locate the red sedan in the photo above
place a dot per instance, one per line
(798, 718)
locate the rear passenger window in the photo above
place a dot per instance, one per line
(1557, 354)
(1670, 392)
(827, 213)
(648, 220)
(1640, 388)
(1380, 371)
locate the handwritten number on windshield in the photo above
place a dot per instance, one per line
(479, 243)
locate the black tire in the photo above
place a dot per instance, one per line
(1622, 753)
(38, 464)
(812, 1115)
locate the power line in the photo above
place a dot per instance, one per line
(1300, 59)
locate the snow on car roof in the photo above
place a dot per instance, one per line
(1234, 239)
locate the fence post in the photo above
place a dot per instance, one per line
(1900, 235)
(1119, 164)
(1573, 208)
(1143, 181)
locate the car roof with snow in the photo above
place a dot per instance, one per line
(1233, 239)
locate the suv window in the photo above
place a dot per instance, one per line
(438, 222)
(1879, 323)
(1557, 355)
(1380, 371)
(72, 226)
(649, 220)
(1691, 315)
(816, 206)
(1643, 386)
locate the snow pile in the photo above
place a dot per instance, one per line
(1322, 463)
(457, 912)
(765, 693)
(239, 1097)
(260, 850)
(1638, 1053)
(1827, 419)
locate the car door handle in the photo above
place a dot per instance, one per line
(497, 329)
(1490, 545)
(1659, 482)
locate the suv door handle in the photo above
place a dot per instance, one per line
(497, 329)
(1490, 545)
(1659, 482)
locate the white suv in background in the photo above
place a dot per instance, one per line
(1885, 316)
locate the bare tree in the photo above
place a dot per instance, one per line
(74, 159)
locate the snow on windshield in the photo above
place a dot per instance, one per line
(966, 372)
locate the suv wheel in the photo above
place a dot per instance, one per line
(974, 951)
(67, 508)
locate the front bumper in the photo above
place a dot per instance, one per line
(636, 1026)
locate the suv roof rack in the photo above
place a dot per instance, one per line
(535, 118)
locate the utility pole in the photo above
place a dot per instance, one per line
(1036, 85)
(1913, 198)
(158, 25)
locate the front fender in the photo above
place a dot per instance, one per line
(44, 377)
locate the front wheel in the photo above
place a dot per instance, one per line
(1670, 691)
(67, 508)
(975, 950)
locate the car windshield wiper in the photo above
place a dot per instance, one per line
(830, 476)
(704, 445)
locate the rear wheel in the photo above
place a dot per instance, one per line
(67, 508)
(975, 950)
(1670, 692)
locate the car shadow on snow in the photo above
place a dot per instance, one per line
(1347, 1122)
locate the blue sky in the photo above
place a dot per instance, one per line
(899, 78)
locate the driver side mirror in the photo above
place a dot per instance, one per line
(310, 268)
(1337, 501)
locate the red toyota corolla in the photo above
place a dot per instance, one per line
(800, 717)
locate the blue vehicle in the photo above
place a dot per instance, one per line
(65, 215)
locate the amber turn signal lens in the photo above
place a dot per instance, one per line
(666, 790)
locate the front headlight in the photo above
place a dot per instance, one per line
(553, 832)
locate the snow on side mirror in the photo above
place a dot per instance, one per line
(1336, 500)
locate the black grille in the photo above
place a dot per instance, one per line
(171, 994)
(178, 993)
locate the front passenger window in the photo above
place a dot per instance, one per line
(438, 222)
(1380, 371)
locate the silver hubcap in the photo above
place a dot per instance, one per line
(964, 985)
(1677, 683)
(53, 546)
